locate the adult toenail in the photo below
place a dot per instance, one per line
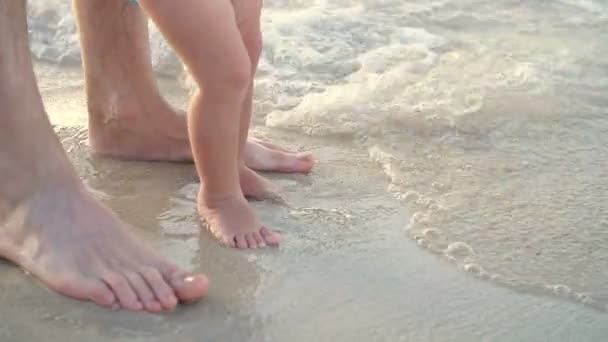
(115, 306)
(179, 281)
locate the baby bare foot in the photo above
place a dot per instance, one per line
(78, 248)
(233, 222)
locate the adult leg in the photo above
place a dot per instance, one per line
(49, 224)
(206, 36)
(128, 118)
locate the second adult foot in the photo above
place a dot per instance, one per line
(264, 156)
(156, 132)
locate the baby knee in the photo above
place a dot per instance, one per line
(238, 77)
(232, 77)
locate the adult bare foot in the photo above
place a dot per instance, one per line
(159, 133)
(234, 224)
(264, 156)
(49, 225)
(138, 128)
(77, 247)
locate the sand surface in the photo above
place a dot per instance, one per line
(347, 271)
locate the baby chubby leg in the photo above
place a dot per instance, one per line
(206, 36)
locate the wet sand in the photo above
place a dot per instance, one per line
(346, 271)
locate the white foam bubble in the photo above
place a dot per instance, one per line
(54, 38)
(474, 269)
(458, 250)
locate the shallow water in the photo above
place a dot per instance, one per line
(345, 272)
(482, 128)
